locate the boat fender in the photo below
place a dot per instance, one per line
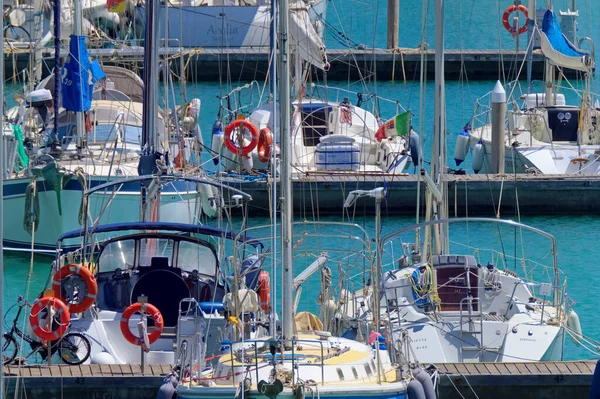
(425, 379)
(103, 358)
(415, 390)
(477, 155)
(270, 390)
(207, 199)
(168, 389)
(575, 326)
(216, 141)
(413, 144)
(595, 387)
(462, 147)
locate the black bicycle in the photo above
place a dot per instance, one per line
(73, 348)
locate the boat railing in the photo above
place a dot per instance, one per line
(241, 100)
(546, 290)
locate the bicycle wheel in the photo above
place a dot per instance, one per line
(74, 348)
(16, 35)
(9, 349)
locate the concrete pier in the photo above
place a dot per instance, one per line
(252, 63)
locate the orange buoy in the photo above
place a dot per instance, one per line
(265, 144)
(145, 309)
(241, 125)
(90, 283)
(506, 16)
(35, 318)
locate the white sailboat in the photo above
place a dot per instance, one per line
(544, 134)
(446, 304)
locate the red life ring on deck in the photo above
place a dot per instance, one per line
(242, 124)
(36, 323)
(264, 291)
(90, 283)
(265, 144)
(507, 24)
(145, 309)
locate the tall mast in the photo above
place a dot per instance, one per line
(287, 286)
(78, 31)
(273, 127)
(438, 161)
(2, 210)
(530, 25)
(150, 99)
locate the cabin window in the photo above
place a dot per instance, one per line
(355, 373)
(192, 256)
(155, 248)
(368, 369)
(315, 118)
(117, 255)
(340, 374)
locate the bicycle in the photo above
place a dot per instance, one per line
(14, 34)
(73, 347)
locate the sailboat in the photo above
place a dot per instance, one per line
(471, 296)
(297, 355)
(544, 134)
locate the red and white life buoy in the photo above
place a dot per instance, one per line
(506, 16)
(145, 309)
(240, 124)
(265, 144)
(90, 283)
(264, 290)
(35, 317)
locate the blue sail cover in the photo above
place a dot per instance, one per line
(556, 38)
(78, 77)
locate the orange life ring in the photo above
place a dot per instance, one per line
(90, 283)
(242, 124)
(145, 309)
(36, 323)
(507, 24)
(264, 290)
(265, 144)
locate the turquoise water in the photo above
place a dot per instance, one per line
(576, 236)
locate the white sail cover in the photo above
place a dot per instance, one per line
(305, 37)
(557, 48)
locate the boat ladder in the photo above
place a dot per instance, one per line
(471, 323)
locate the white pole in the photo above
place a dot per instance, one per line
(498, 118)
(2, 212)
(286, 182)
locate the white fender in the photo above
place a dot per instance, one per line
(575, 326)
(208, 199)
(478, 152)
(461, 148)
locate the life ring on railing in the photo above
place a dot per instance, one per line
(36, 312)
(265, 144)
(242, 124)
(90, 283)
(507, 24)
(145, 309)
(264, 290)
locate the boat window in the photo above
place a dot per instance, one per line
(105, 132)
(355, 373)
(315, 124)
(155, 247)
(117, 255)
(368, 369)
(193, 256)
(340, 374)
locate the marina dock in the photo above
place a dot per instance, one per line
(469, 194)
(243, 64)
(547, 380)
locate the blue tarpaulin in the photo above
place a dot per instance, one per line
(78, 77)
(556, 38)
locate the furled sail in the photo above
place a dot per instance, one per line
(306, 38)
(559, 50)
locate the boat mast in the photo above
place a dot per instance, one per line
(438, 160)
(78, 31)
(530, 26)
(287, 286)
(273, 93)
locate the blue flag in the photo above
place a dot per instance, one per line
(78, 77)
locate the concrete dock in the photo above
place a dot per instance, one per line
(470, 194)
(210, 64)
(548, 380)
